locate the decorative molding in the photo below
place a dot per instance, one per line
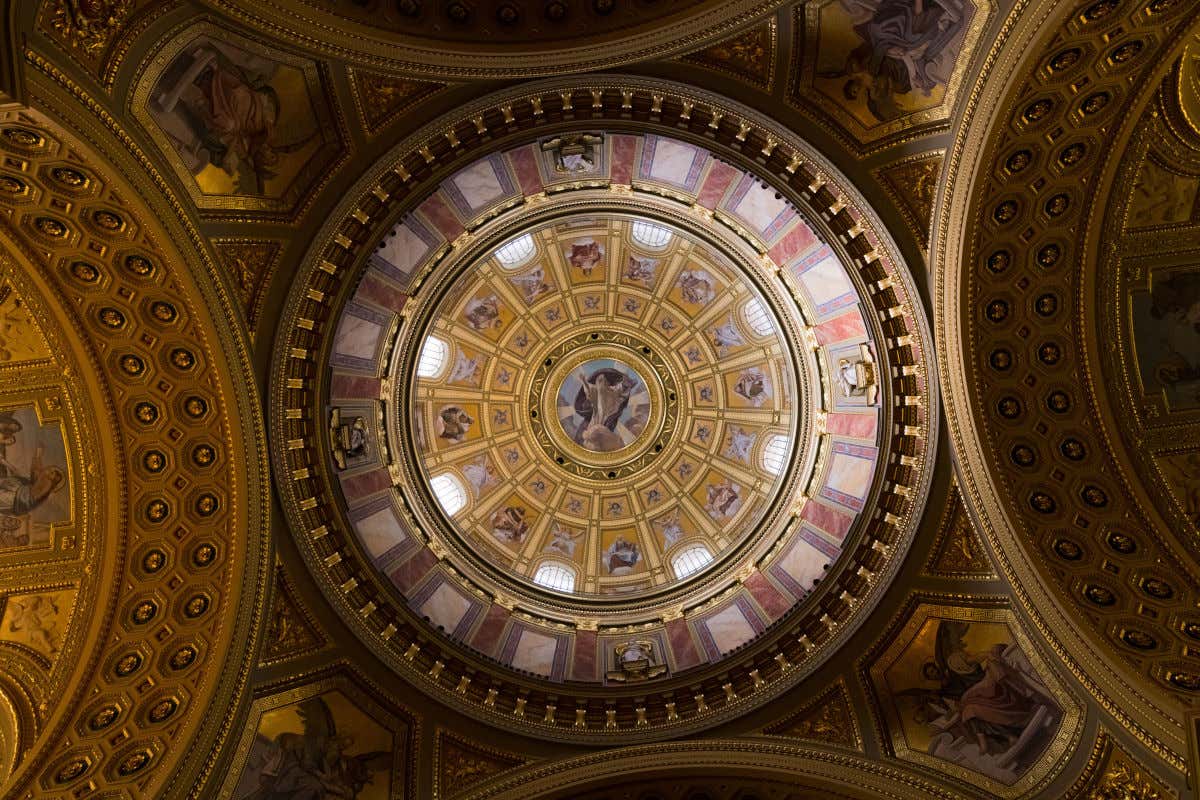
(957, 551)
(828, 719)
(749, 56)
(459, 764)
(382, 98)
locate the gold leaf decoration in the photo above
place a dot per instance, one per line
(827, 719)
(1113, 774)
(913, 183)
(250, 263)
(462, 764)
(289, 633)
(749, 55)
(958, 551)
(89, 26)
(381, 98)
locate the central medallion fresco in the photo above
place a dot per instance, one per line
(604, 406)
(607, 392)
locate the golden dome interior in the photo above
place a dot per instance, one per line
(613, 399)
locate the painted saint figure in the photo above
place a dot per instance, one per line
(907, 46)
(621, 556)
(602, 398)
(453, 423)
(22, 493)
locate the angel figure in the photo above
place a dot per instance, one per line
(564, 540)
(313, 765)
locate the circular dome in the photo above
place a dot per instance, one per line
(603, 426)
(609, 393)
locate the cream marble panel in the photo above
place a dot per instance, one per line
(804, 563)
(760, 206)
(357, 337)
(535, 652)
(729, 629)
(849, 474)
(478, 184)
(380, 532)
(672, 161)
(405, 250)
(826, 280)
(445, 607)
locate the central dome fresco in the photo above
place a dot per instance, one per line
(619, 431)
(606, 405)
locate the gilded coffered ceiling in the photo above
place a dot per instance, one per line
(599, 398)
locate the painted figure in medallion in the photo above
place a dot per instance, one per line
(621, 557)
(564, 540)
(509, 525)
(24, 490)
(697, 287)
(604, 406)
(752, 384)
(584, 255)
(533, 284)
(722, 499)
(315, 764)
(978, 701)
(640, 270)
(453, 423)
(483, 313)
(222, 108)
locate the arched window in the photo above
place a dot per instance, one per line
(555, 575)
(774, 454)
(690, 559)
(433, 357)
(647, 234)
(758, 318)
(516, 252)
(449, 492)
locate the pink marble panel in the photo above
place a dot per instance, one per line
(796, 241)
(381, 293)
(345, 386)
(683, 648)
(414, 570)
(356, 487)
(487, 636)
(623, 149)
(834, 522)
(847, 326)
(439, 214)
(584, 666)
(524, 165)
(769, 599)
(858, 426)
(716, 183)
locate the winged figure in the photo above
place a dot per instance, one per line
(313, 765)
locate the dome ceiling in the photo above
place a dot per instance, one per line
(445, 38)
(600, 409)
(606, 409)
(617, 398)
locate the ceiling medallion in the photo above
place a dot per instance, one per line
(612, 401)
